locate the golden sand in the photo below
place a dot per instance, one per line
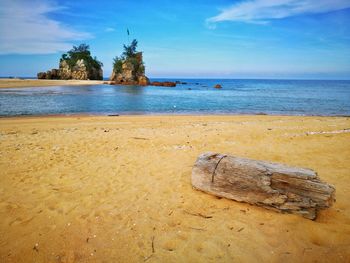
(117, 189)
(21, 83)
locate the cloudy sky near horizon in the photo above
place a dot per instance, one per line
(213, 39)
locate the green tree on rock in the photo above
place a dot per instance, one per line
(81, 52)
(130, 50)
(129, 55)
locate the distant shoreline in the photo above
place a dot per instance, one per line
(167, 114)
(25, 83)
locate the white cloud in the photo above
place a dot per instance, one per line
(262, 11)
(109, 29)
(26, 28)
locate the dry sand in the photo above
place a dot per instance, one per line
(21, 83)
(117, 189)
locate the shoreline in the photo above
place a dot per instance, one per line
(8, 83)
(166, 114)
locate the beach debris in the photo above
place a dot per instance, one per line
(36, 247)
(273, 186)
(182, 147)
(153, 244)
(218, 86)
(198, 214)
(195, 228)
(239, 230)
(153, 250)
(139, 138)
(147, 258)
(329, 132)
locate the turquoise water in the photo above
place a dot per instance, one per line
(285, 97)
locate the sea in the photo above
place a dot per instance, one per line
(193, 96)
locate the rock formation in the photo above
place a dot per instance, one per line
(129, 69)
(78, 64)
(79, 71)
(164, 84)
(132, 72)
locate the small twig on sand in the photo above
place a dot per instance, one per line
(139, 138)
(199, 229)
(153, 245)
(239, 230)
(198, 214)
(147, 258)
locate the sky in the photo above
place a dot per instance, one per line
(284, 39)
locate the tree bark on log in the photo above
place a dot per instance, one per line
(271, 185)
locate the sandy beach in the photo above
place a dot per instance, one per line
(21, 83)
(118, 189)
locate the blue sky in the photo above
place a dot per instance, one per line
(198, 39)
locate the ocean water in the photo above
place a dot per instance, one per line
(198, 96)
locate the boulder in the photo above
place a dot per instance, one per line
(64, 71)
(164, 84)
(80, 70)
(157, 83)
(41, 75)
(96, 74)
(48, 74)
(54, 73)
(169, 84)
(143, 81)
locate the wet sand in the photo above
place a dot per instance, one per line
(22, 83)
(117, 189)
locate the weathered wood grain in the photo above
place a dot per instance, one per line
(271, 185)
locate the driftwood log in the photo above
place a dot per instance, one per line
(271, 185)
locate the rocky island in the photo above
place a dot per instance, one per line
(76, 64)
(129, 69)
